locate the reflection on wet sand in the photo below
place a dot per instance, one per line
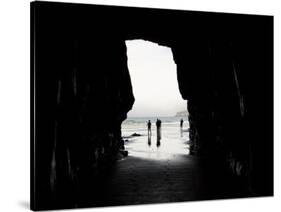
(149, 139)
(158, 142)
(168, 142)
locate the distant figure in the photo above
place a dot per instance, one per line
(158, 128)
(181, 125)
(149, 128)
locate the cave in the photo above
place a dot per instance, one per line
(82, 92)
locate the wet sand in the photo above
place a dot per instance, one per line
(162, 174)
(155, 174)
(171, 145)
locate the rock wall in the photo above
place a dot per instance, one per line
(83, 90)
(225, 73)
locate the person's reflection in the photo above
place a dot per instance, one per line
(181, 132)
(149, 139)
(158, 143)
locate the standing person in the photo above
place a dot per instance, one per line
(160, 122)
(149, 128)
(181, 124)
(158, 127)
(158, 137)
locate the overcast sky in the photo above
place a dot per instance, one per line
(153, 74)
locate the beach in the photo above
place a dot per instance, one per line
(174, 139)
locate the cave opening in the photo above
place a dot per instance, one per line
(222, 64)
(155, 87)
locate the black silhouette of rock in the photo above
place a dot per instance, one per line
(84, 91)
(135, 134)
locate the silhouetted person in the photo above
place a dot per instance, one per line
(181, 125)
(158, 128)
(149, 128)
(160, 122)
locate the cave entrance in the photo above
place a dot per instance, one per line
(154, 80)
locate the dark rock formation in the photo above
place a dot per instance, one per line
(83, 90)
(181, 114)
(135, 134)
